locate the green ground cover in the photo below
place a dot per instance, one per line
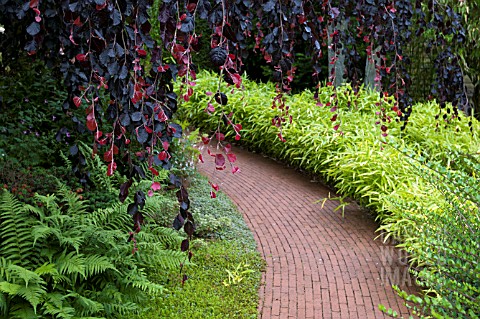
(226, 271)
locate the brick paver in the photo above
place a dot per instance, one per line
(319, 265)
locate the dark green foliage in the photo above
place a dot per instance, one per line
(30, 104)
(25, 182)
(61, 260)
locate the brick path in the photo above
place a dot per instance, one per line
(319, 265)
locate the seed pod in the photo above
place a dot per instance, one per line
(218, 56)
(221, 98)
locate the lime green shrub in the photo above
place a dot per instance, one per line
(356, 159)
(377, 171)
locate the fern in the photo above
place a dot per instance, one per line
(21, 282)
(153, 256)
(33, 294)
(22, 311)
(62, 261)
(15, 230)
(119, 302)
(71, 201)
(24, 274)
(168, 237)
(97, 170)
(122, 309)
(4, 265)
(86, 305)
(96, 264)
(71, 264)
(9, 288)
(66, 161)
(112, 218)
(3, 305)
(56, 306)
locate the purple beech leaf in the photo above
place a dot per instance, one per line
(124, 190)
(185, 245)
(178, 222)
(189, 228)
(219, 160)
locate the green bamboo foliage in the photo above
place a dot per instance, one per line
(356, 158)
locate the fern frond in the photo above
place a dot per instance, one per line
(33, 294)
(15, 230)
(74, 240)
(86, 306)
(38, 211)
(74, 205)
(25, 275)
(58, 311)
(23, 311)
(49, 202)
(116, 302)
(96, 264)
(23, 283)
(4, 265)
(123, 309)
(112, 218)
(66, 160)
(54, 299)
(152, 257)
(97, 169)
(47, 269)
(168, 236)
(9, 288)
(54, 305)
(42, 231)
(71, 264)
(138, 279)
(69, 238)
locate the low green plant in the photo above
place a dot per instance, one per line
(230, 247)
(59, 260)
(237, 274)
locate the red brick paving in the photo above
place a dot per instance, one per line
(319, 265)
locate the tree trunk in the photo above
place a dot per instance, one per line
(340, 62)
(371, 71)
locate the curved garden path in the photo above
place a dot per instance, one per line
(319, 265)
